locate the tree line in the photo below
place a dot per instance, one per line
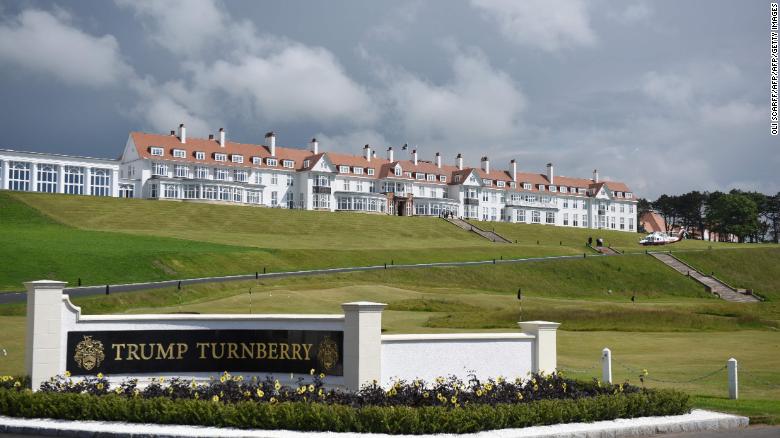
(750, 216)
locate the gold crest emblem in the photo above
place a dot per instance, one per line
(328, 354)
(89, 353)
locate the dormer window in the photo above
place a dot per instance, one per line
(527, 186)
(398, 171)
(540, 187)
(271, 162)
(357, 170)
(442, 178)
(257, 160)
(306, 163)
(288, 164)
(457, 178)
(408, 174)
(629, 195)
(511, 185)
(220, 157)
(563, 189)
(343, 169)
(199, 155)
(431, 177)
(419, 175)
(552, 188)
(179, 153)
(237, 158)
(582, 191)
(156, 151)
(370, 171)
(500, 184)
(487, 182)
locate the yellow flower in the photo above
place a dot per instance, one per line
(161, 379)
(479, 393)
(67, 373)
(322, 375)
(136, 393)
(644, 372)
(488, 387)
(260, 393)
(454, 399)
(500, 379)
(197, 396)
(222, 379)
(192, 384)
(425, 394)
(277, 385)
(118, 390)
(311, 388)
(301, 390)
(311, 372)
(519, 396)
(17, 384)
(564, 386)
(99, 375)
(536, 387)
(273, 400)
(320, 393)
(100, 386)
(215, 398)
(247, 394)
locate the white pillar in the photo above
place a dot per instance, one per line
(87, 181)
(606, 366)
(60, 178)
(3, 175)
(44, 326)
(362, 343)
(33, 177)
(114, 183)
(731, 365)
(545, 351)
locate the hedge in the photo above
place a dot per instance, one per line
(304, 416)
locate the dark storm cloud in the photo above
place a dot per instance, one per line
(667, 96)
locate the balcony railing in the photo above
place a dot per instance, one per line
(321, 189)
(471, 201)
(532, 204)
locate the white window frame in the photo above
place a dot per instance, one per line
(47, 178)
(220, 157)
(179, 153)
(527, 186)
(200, 155)
(500, 184)
(288, 164)
(271, 162)
(257, 160)
(236, 158)
(357, 170)
(343, 169)
(370, 171)
(157, 151)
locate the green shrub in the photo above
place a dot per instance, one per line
(337, 417)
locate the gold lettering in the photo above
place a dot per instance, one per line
(283, 351)
(261, 353)
(118, 348)
(272, 350)
(246, 351)
(144, 356)
(181, 348)
(214, 350)
(306, 348)
(132, 352)
(163, 352)
(232, 347)
(296, 348)
(202, 346)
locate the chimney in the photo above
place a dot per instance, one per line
(459, 160)
(390, 154)
(514, 170)
(414, 156)
(550, 173)
(373, 154)
(270, 141)
(486, 164)
(173, 132)
(595, 175)
(182, 133)
(438, 160)
(315, 146)
(222, 137)
(367, 152)
(211, 136)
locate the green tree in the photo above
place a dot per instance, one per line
(733, 213)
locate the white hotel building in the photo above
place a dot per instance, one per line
(175, 167)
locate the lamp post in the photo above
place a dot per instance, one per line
(520, 299)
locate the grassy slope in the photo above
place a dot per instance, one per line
(751, 269)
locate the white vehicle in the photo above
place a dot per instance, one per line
(659, 238)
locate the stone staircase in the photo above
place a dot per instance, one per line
(606, 250)
(489, 235)
(712, 284)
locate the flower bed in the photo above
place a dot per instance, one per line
(444, 406)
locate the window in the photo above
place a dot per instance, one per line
(552, 188)
(527, 186)
(181, 171)
(306, 163)
(442, 178)
(74, 180)
(257, 160)
(563, 189)
(629, 195)
(321, 181)
(290, 200)
(254, 197)
(153, 191)
(584, 220)
(290, 180)
(520, 215)
(457, 178)
(631, 224)
(221, 174)
(431, 177)
(220, 157)
(631, 208)
(511, 184)
(159, 169)
(19, 176)
(321, 201)
(201, 172)
(156, 151)
(540, 187)
(565, 203)
(210, 192)
(170, 191)
(487, 182)
(622, 223)
(288, 164)
(536, 217)
(370, 171)
(191, 191)
(581, 191)
(240, 175)
(398, 171)
(574, 203)
(274, 199)
(566, 219)
(237, 158)
(574, 220)
(271, 161)
(343, 169)
(622, 208)
(126, 190)
(200, 155)
(550, 219)
(179, 153)
(485, 196)
(47, 178)
(357, 170)
(500, 184)
(408, 174)
(100, 182)
(419, 175)
(258, 178)
(274, 179)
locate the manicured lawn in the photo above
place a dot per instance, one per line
(757, 269)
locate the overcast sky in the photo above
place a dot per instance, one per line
(667, 96)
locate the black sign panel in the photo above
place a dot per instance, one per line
(165, 351)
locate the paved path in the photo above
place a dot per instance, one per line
(489, 235)
(751, 432)
(715, 286)
(16, 297)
